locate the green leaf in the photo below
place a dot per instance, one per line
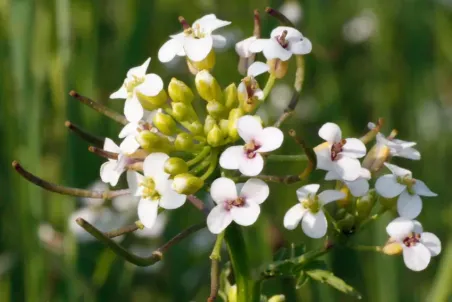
(313, 265)
(329, 278)
(301, 280)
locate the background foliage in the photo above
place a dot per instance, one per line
(402, 72)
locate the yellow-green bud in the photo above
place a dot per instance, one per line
(208, 87)
(164, 123)
(215, 136)
(196, 128)
(209, 123)
(392, 248)
(187, 183)
(344, 202)
(230, 96)
(148, 139)
(277, 298)
(376, 157)
(347, 223)
(364, 205)
(175, 165)
(180, 111)
(234, 115)
(152, 102)
(179, 92)
(340, 214)
(278, 68)
(224, 126)
(183, 141)
(216, 109)
(208, 63)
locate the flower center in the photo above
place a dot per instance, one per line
(337, 148)
(251, 148)
(149, 191)
(196, 32)
(311, 203)
(407, 181)
(238, 202)
(251, 86)
(282, 39)
(412, 239)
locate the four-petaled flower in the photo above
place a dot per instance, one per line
(401, 183)
(358, 187)
(418, 246)
(111, 170)
(154, 189)
(138, 83)
(196, 41)
(339, 155)
(130, 132)
(249, 88)
(248, 159)
(310, 210)
(243, 208)
(284, 41)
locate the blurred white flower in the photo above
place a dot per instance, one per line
(292, 10)
(360, 28)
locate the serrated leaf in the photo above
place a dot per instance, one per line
(329, 278)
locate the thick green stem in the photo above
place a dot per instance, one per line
(269, 85)
(287, 158)
(199, 157)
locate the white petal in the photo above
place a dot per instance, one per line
(293, 216)
(400, 228)
(348, 168)
(129, 145)
(248, 128)
(258, 45)
(314, 225)
(170, 199)
(257, 68)
(358, 187)
(323, 154)
(153, 164)
(133, 110)
(241, 90)
(331, 133)
(151, 86)
(421, 189)
(251, 166)
(409, 153)
(134, 179)
(197, 49)
(273, 50)
(432, 242)
(210, 23)
(255, 190)
(108, 173)
(147, 212)
(219, 41)
(364, 173)
(418, 229)
(328, 196)
(243, 47)
(270, 138)
(304, 191)
(230, 157)
(247, 214)
(291, 32)
(331, 175)
(416, 257)
(129, 129)
(110, 146)
(409, 206)
(397, 171)
(388, 187)
(169, 50)
(218, 219)
(223, 189)
(139, 71)
(354, 148)
(121, 93)
(301, 47)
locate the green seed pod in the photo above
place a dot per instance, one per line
(208, 87)
(152, 102)
(180, 111)
(179, 92)
(278, 68)
(215, 137)
(187, 183)
(209, 123)
(164, 123)
(208, 63)
(175, 165)
(183, 142)
(234, 115)
(216, 109)
(230, 96)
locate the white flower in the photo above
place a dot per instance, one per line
(418, 246)
(360, 28)
(246, 56)
(196, 42)
(292, 10)
(154, 189)
(248, 158)
(111, 170)
(310, 210)
(339, 155)
(138, 81)
(401, 183)
(249, 85)
(284, 41)
(243, 208)
(130, 132)
(358, 187)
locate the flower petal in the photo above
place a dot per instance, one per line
(255, 190)
(223, 189)
(243, 47)
(388, 187)
(409, 153)
(209, 23)
(251, 166)
(323, 154)
(293, 216)
(302, 47)
(169, 50)
(258, 45)
(129, 145)
(133, 110)
(170, 199)
(331, 133)
(314, 225)
(247, 214)
(348, 168)
(354, 148)
(270, 138)
(151, 86)
(416, 257)
(273, 50)
(409, 206)
(147, 211)
(358, 187)
(291, 32)
(397, 171)
(218, 219)
(331, 175)
(364, 173)
(129, 129)
(421, 189)
(248, 128)
(134, 179)
(418, 229)
(109, 174)
(304, 191)
(197, 49)
(230, 157)
(400, 228)
(257, 68)
(153, 164)
(328, 196)
(121, 93)
(110, 146)
(139, 71)
(432, 242)
(219, 41)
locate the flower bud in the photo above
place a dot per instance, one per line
(347, 223)
(209, 123)
(278, 68)
(208, 63)
(376, 157)
(230, 96)
(187, 183)
(344, 202)
(179, 92)
(196, 128)
(175, 165)
(183, 142)
(277, 298)
(224, 126)
(215, 136)
(216, 109)
(392, 248)
(152, 142)
(364, 205)
(180, 111)
(208, 87)
(152, 102)
(164, 123)
(234, 115)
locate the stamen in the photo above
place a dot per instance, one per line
(412, 239)
(238, 202)
(282, 39)
(251, 148)
(337, 148)
(184, 23)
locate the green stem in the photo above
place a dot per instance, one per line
(199, 157)
(366, 248)
(214, 270)
(285, 158)
(213, 165)
(332, 221)
(215, 255)
(269, 85)
(204, 164)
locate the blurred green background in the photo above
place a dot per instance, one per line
(390, 59)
